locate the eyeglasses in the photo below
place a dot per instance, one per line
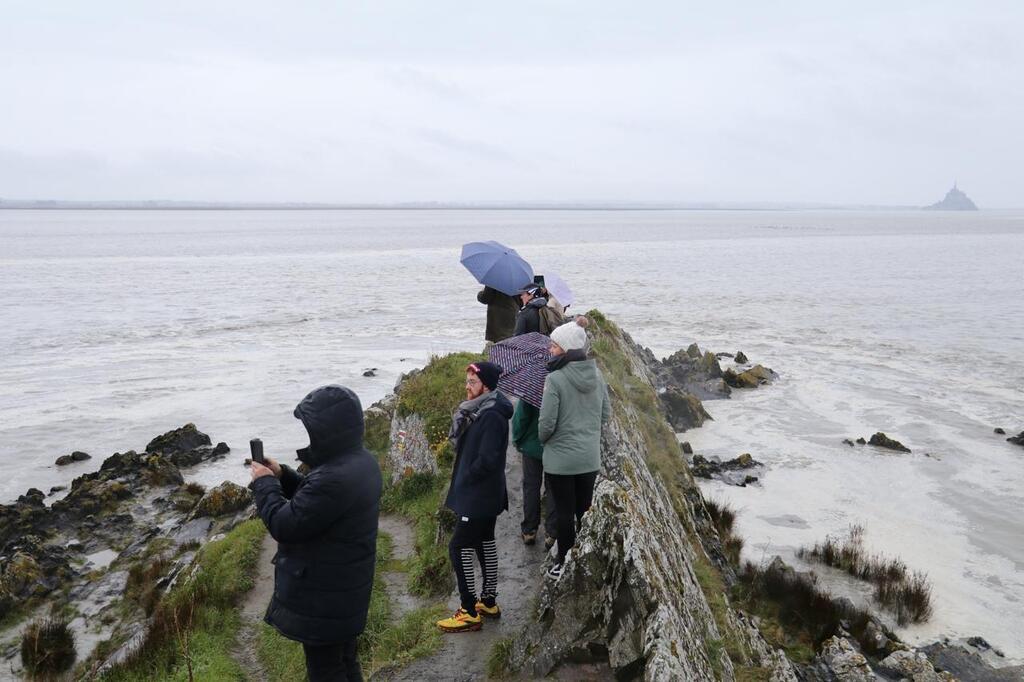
(472, 382)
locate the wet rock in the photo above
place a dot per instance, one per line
(979, 643)
(968, 666)
(1018, 439)
(728, 471)
(751, 378)
(80, 456)
(221, 449)
(226, 498)
(370, 372)
(845, 662)
(883, 441)
(409, 452)
(58, 488)
(183, 439)
(722, 356)
(849, 442)
(63, 460)
(684, 410)
(861, 441)
(709, 366)
(913, 665)
(32, 496)
(687, 448)
(693, 350)
(740, 358)
(999, 431)
(874, 639)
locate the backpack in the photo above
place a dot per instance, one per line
(548, 320)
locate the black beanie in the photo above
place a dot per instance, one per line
(488, 372)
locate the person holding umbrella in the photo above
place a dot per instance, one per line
(501, 270)
(574, 407)
(501, 313)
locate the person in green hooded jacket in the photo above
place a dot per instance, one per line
(527, 442)
(574, 407)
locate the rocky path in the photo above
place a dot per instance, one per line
(253, 608)
(520, 573)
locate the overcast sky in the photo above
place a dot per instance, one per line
(877, 103)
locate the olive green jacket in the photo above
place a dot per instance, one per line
(574, 407)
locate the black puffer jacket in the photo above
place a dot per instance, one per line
(325, 524)
(478, 476)
(528, 319)
(501, 314)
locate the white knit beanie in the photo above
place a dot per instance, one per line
(570, 336)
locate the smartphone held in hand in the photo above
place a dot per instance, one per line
(256, 448)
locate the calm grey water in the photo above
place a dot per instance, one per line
(118, 325)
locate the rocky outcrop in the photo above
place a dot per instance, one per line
(843, 660)
(683, 410)
(968, 666)
(751, 378)
(731, 471)
(1018, 439)
(955, 200)
(629, 593)
(883, 441)
(133, 501)
(226, 498)
(186, 446)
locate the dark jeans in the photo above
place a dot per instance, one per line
(573, 495)
(333, 663)
(533, 476)
(475, 537)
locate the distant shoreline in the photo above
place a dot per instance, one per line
(150, 206)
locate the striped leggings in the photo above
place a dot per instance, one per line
(475, 537)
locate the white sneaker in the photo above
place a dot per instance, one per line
(555, 571)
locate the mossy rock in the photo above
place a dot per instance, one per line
(21, 574)
(685, 410)
(226, 498)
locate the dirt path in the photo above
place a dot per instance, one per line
(403, 546)
(464, 655)
(253, 608)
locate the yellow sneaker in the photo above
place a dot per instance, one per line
(461, 621)
(488, 611)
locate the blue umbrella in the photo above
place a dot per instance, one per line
(497, 266)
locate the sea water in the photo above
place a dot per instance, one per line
(116, 326)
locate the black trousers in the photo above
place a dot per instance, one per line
(333, 663)
(573, 495)
(533, 476)
(475, 538)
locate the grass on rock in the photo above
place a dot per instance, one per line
(907, 594)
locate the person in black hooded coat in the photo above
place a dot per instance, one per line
(325, 524)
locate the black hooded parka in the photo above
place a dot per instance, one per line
(325, 524)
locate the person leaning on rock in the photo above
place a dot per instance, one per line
(477, 494)
(574, 406)
(501, 314)
(325, 525)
